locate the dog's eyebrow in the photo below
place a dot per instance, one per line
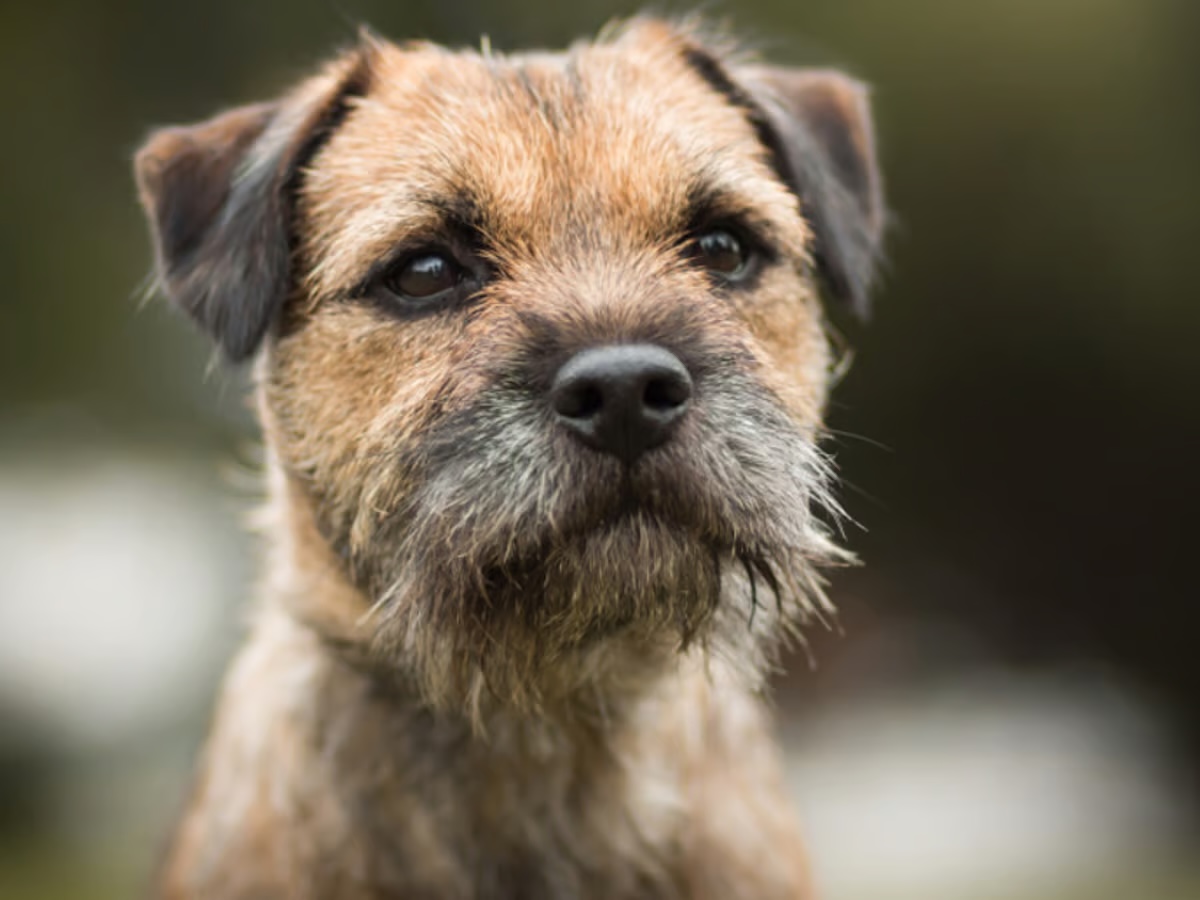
(457, 210)
(709, 203)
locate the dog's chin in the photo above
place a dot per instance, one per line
(628, 568)
(597, 605)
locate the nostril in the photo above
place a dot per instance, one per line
(621, 399)
(666, 393)
(581, 401)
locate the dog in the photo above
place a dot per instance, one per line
(541, 358)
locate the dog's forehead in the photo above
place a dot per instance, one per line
(613, 138)
(554, 114)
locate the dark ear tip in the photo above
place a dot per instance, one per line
(874, 274)
(854, 291)
(238, 348)
(861, 305)
(237, 336)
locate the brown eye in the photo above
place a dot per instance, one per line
(424, 277)
(721, 253)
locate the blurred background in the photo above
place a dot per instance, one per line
(1010, 708)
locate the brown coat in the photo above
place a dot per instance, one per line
(490, 662)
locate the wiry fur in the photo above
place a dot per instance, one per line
(492, 662)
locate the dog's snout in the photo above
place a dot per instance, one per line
(622, 399)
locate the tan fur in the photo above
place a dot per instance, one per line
(475, 671)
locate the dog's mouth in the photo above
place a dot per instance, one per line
(522, 554)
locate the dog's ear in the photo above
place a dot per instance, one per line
(219, 199)
(817, 126)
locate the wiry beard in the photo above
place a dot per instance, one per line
(522, 569)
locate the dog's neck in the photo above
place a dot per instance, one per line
(390, 779)
(595, 805)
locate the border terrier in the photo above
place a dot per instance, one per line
(541, 363)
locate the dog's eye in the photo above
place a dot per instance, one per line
(424, 277)
(722, 253)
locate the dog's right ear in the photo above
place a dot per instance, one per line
(817, 124)
(219, 198)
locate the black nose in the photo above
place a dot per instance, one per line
(622, 399)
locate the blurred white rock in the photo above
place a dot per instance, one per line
(992, 786)
(120, 577)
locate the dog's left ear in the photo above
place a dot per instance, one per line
(219, 195)
(817, 125)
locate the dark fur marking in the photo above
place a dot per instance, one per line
(355, 85)
(749, 569)
(547, 342)
(710, 69)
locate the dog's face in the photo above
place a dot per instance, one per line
(541, 347)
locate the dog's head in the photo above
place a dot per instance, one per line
(539, 340)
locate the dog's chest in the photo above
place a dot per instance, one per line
(452, 818)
